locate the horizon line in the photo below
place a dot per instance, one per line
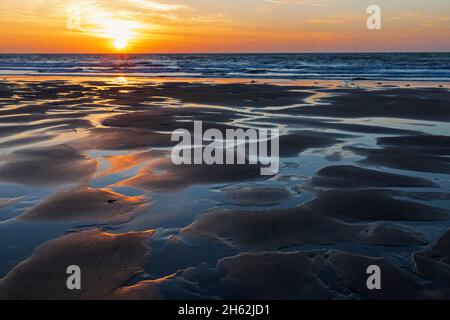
(185, 53)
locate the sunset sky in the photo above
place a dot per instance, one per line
(145, 26)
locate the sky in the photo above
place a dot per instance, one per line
(174, 26)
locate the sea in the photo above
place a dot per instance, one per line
(329, 66)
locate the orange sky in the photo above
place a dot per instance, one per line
(145, 26)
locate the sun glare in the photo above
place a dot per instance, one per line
(121, 29)
(120, 44)
(121, 32)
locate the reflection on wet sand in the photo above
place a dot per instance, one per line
(363, 180)
(107, 261)
(164, 176)
(89, 205)
(47, 166)
(280, 228)
(120, 163)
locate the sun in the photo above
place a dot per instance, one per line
(120, 43)
(119, 31)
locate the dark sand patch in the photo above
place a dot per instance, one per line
(396, 284)
(137, 130)
(240, 95)
(32, 109)
(273, 276)
(164, 176)
(406, 103)
(297, 142)
(169, 119)
(26, 140)
(28, 118)
(404, 159)
(47, 166)
(434, 263)
(361, 128)
(122, 139)
(256, 196)
(429, 144)
(389, 234)
(372, 205)
(304, 122)
(107, 262)
(49, 126)
(299, 275)
(278, 228)
(347, 176)
(178, 253)
(22, 118)
(87, 205)
(424, 196)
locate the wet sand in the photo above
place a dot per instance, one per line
(88, 205)
(107, 260)
(86, 179)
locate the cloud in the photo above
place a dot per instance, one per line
(158, 6)
(300, 2)
(326, 21)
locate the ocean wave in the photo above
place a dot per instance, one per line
(386, 66)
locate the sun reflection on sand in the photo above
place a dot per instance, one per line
(120, 163)
(120, 80)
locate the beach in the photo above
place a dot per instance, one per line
(86, 179)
